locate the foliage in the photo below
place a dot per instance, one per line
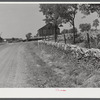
(51, 12)
(68, 13)
(69, 34)
(92, 29)
(60, 13)
(65, 13)
(90, 8)
(96, 23)
(79, 38)
(85, 27)
(28, 36)
(73, 30)
(87, 9)
(64, 31)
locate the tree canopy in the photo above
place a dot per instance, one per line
(28, 36)
(85, 27)
(90, 8)
(60, 13)
(96, 23)
(51, 12)
(57, 14)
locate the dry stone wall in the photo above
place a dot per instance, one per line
(77, 51)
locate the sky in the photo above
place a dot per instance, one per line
(16, 20)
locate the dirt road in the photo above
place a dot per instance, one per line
(12, 66)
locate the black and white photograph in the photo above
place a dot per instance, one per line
(50, 45)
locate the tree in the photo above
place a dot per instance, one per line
(67, 13)
(96, 23)
(51, 12)
(60, 13)
(87, 9)
(28, 36)
(64, 31)
(85, 28)
(71, 30)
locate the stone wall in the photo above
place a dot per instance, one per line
(77, 51)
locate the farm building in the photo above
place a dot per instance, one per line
(47, 30)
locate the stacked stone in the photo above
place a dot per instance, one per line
(77, 51)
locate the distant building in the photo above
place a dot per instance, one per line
(47, 30)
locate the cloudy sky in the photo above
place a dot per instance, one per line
(16, 20)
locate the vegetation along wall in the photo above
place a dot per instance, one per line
(77, 51)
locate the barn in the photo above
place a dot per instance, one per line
(47, 30)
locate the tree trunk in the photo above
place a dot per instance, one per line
(45, 36)
(64, 38)
(88, 40)
(73, 23)
(55, 34)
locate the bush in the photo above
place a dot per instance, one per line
(98, 38)
(98, 46)
(64, 31)
(79, 38)
(71, 30)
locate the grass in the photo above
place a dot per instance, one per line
(61, 69)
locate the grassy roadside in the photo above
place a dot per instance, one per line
(51, 67)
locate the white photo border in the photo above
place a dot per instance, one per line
(49, 92)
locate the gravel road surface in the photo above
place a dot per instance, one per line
(12, 66)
